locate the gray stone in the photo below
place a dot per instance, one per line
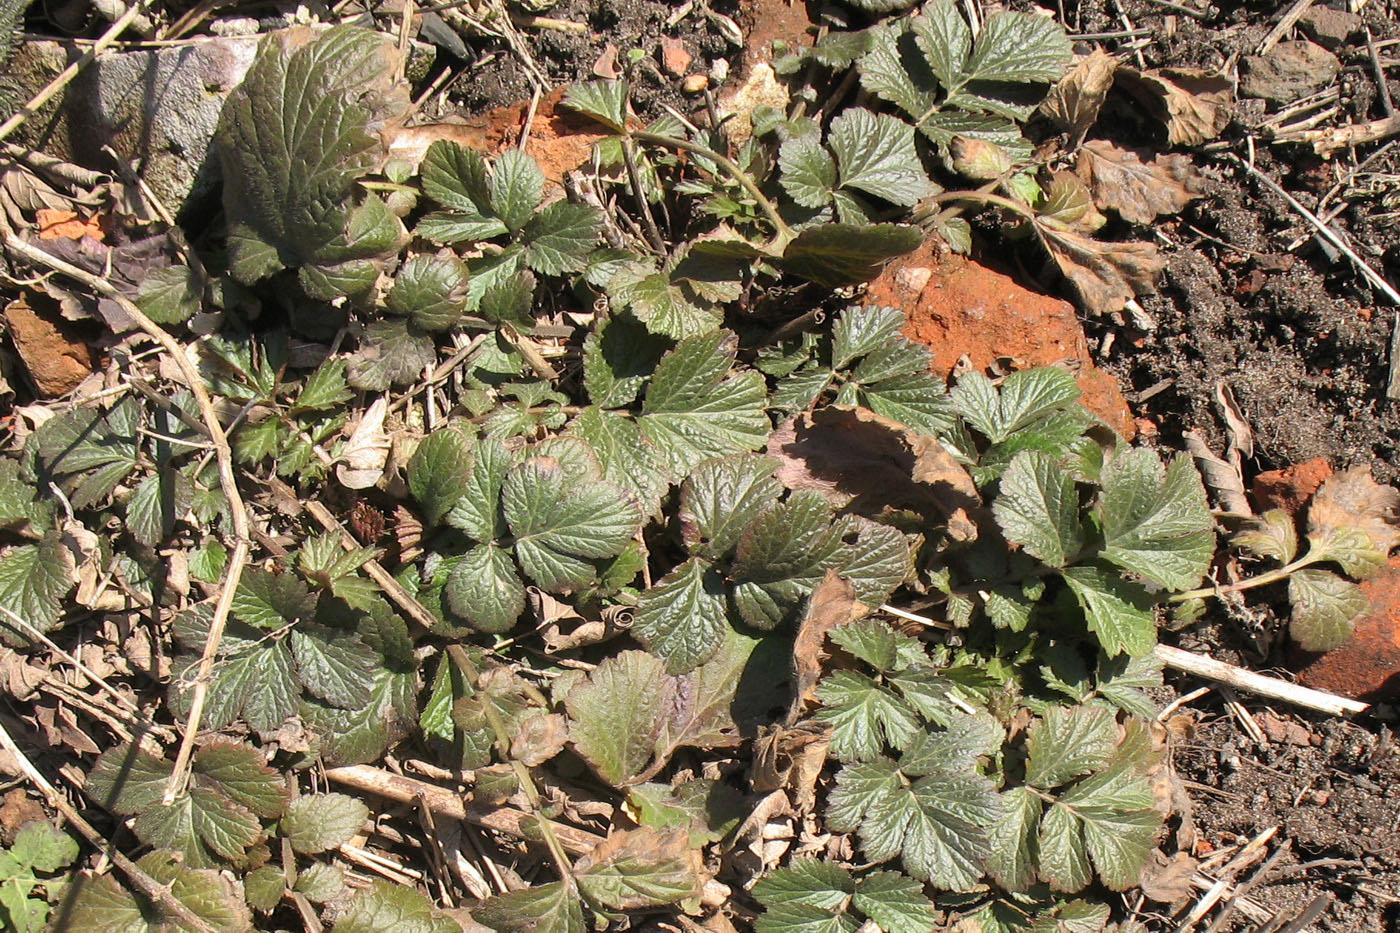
(1289, 71)
(158, 109)
(1330, 28)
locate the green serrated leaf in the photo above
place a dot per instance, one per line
(1351, 548)
(351, 737)
(431, 291)
(272, 600)
(1156, 521)
(34, 579)
(618, 356)
(629, 461)
(1117, 610)
(876, 155)
(692, 412)
(1014, 853)
(263, 887)
(683, 617)
(294, 138)
(392, 352)
(485, 590)
(1038, 509)
(864, 716)
(238, 772)
(806, 881)
(1064, 862)
(559, 525)
(44, 848)
(1325, 609)
(439, 472)
(334, 665)
(509, 299)
(478, 510)
(895, 901)
(517, 187)
(616, 714)
(544, 908)
(938, 825)
(455, 177)
(386, 906)
(559, 238)
(170, 295)
(1018, 47)
(1068, 742)
(318, 822)
(666, 307)
(604, 101)
(325, 388)
(320, 882)
(721, 497)
(808, 171)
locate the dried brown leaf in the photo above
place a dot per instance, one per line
(862, 462)
(1074, 103)
(1352, 499)
(362, 461)
(1137, 187)
(1194, 104)
(638, 868)
(831, 605)
(539, 738)
(1168, 880)
(1105, 274)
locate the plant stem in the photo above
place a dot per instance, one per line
(985, 197)
(784, 232)
(1264, 579)
(556, 850)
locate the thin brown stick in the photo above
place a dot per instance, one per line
(1290, 19)
(228, 484)
(1258, 684)
(147, 885)
(47, 92)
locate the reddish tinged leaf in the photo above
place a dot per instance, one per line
(1074, 103)
(1137, 187)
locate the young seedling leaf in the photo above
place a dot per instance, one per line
(1325, 609)
(1156, 521)
(34, 579)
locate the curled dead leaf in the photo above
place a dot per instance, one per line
(1352, 499)
(1222, 477)
(1074, 103)
(1138, 187)
(539, 738)
(1168, 880)
(1193, 104)
(1105, 274)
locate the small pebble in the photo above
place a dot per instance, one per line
(694, 84)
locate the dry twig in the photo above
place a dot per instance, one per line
(1258, 684)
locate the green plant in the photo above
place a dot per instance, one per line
(27, 889)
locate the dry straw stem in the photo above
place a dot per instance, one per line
(1258, 684)
(68, 74)
(148, 886)
(228, 484)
